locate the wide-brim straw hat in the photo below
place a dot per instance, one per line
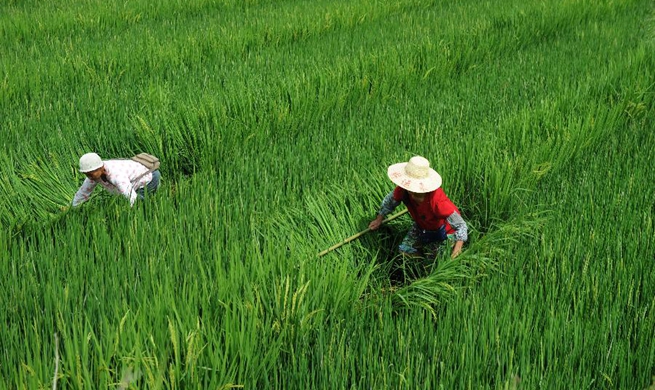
(415, 175)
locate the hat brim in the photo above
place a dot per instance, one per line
(396, 173)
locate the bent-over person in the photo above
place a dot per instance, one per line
(120, 177)
(436, 218)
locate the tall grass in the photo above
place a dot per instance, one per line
(275, 122)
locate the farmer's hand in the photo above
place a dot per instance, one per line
(457, 249)
(376, 222)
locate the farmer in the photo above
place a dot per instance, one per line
(436, 218)
(126, 177)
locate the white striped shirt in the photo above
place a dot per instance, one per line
(122, 179)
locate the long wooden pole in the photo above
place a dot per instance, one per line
(356, 236)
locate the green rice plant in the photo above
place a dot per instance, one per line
(275, 122)
(428, 291)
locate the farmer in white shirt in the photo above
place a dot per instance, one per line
(121, 177)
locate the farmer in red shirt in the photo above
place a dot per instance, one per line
(436, 218)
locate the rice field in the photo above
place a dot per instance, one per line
(275, 121)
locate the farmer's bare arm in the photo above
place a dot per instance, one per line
(461, 233)
(457, 249)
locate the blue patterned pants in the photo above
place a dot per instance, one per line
(418, 241)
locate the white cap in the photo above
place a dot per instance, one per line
(90, 162)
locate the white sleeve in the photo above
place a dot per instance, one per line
(125, 187)
(83, 194)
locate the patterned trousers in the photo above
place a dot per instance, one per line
(419, 241)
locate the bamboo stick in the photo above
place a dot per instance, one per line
(356, 236)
